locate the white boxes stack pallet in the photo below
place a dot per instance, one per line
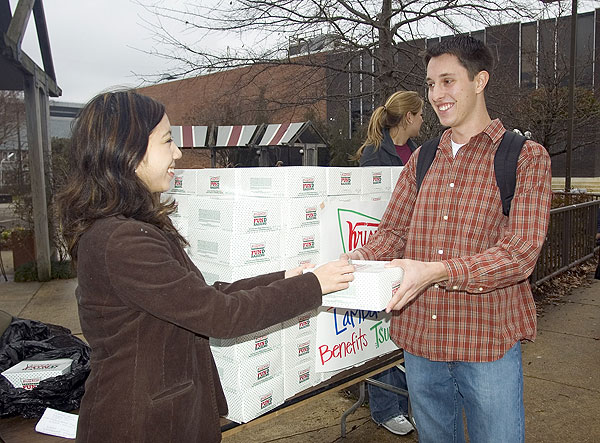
(243, 222)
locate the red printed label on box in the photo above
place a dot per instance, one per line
(266, 401)
(304, 375)
(257, 250)
(261, 343)
(308, 184)
(303, 349)
(262, 371)
(259, 218)
(311, 213)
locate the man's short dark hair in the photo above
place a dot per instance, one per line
(473, 54)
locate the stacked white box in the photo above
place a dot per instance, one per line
(214, 271)
(254, 182)
(299, 338)
(300, 377)
(249, 345)
(180, 216)
(238, 375)
(300, 326)
(304, 181)
(300, 212)
(324, 376)
(181, 203)
(376, 197)
(250, 369)
(184, 182)
(376, 179)
(234, 249)
(343, 181)
(300, 260)
(298, 349)
(235, 215)
(395, 170)
(254, 401)
(301, 241)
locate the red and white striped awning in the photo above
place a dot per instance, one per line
(189, 136)
(230, 136)
(279, 134)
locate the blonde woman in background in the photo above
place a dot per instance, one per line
(389, 144)
(390, 130)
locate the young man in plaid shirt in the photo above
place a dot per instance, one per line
(465, 302)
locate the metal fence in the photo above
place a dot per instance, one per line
(570, 239)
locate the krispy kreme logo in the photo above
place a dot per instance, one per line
(178, 182)
(376, 178)
(303, 322)
(308, 242)
(346, 179)
(355, 228)
(259, 218)
(303, 375)
(311, 213)
(40, 366)
(266, 401)
(215, 182)
(257, 250)
(262, 371)
(261, 343)
(308, 184)
(303, 349)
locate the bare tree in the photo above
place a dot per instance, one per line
(271, 32)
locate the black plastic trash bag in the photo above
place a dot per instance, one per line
(33, 340)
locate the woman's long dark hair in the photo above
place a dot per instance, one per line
(110, 138)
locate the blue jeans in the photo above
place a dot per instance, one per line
(491, 394)
(385, 404)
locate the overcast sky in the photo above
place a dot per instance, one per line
(95, 45)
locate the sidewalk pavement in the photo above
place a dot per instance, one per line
(561, 375)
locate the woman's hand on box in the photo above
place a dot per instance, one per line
(299, 270)
(335, 275)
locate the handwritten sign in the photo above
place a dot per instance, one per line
(346, 337)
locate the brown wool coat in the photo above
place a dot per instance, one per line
(147, 313)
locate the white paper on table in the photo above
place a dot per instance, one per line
(58, 423)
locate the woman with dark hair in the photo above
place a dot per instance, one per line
(145, 309)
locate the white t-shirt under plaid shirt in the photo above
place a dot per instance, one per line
(486, 304)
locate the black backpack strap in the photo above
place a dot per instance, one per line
(426, 156)
(505, 167)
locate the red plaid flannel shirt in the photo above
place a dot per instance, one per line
(486, 304)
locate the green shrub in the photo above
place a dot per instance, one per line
(60, 270)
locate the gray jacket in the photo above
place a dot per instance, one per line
(386, 155)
